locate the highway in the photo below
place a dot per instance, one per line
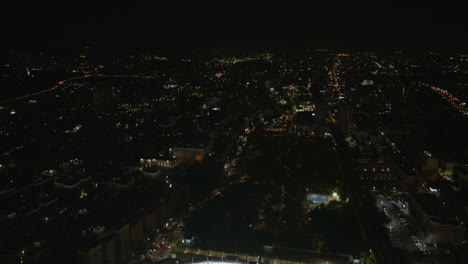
(61, 84)
(456, 103)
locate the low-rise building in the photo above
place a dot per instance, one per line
(438, 222)
(160, 167)
(192, 153)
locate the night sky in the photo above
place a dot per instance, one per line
(80, 23)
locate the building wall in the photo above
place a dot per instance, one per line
(439, 233)
(109, 252)
(92, 256)
(150, 223)
(122, 244)
(136, 233)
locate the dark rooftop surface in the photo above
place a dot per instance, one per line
(436, 209)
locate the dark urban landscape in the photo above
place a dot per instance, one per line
(238, 144)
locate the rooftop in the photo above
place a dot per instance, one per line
(436, 210)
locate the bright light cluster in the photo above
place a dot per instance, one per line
(454, 101)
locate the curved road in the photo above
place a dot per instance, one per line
(60, 83)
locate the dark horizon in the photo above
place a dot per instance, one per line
(76, 24)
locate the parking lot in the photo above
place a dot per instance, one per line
(401, 228)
